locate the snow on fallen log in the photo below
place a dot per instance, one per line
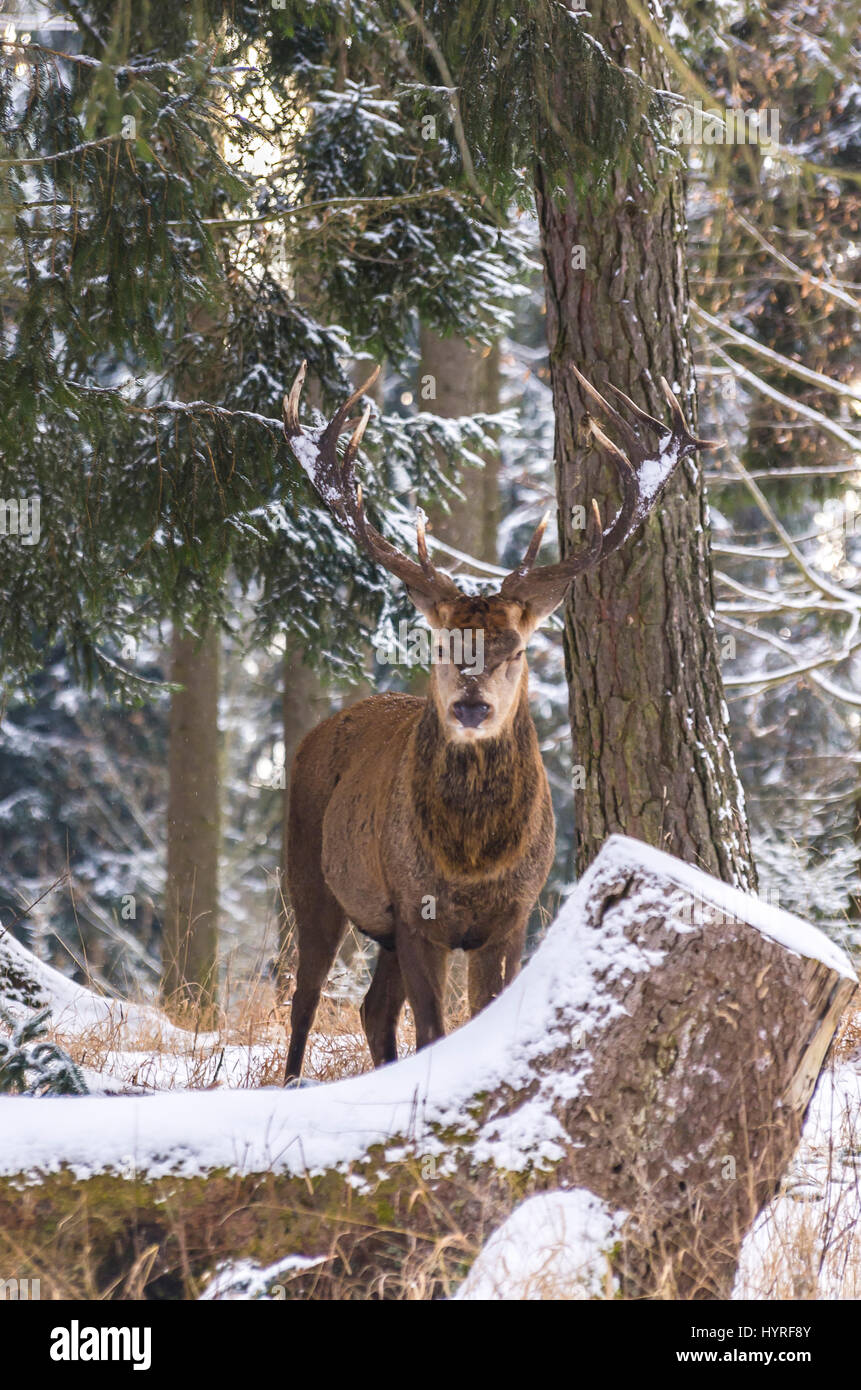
(659, 1051)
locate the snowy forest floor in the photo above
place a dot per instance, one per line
(805, 1245)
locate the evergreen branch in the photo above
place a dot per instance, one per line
(695, 84)
(321, 205)
(84, 22)
(144, 68)
(25, 48)
(64, 154)
(454, 100)
(115, 668)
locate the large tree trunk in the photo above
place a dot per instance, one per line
(648, 719)
(659, 1051)
(190, 938)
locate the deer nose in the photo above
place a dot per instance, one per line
(470, 713)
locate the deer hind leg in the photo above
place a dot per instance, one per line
(320, 930)
(492, 967)
(381, 1008)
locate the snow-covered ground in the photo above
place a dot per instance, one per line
(242, 1280)
(198, 1112)
(807, 1242)
(138, 1048)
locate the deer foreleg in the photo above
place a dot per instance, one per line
(424, 967)
(381, 1009)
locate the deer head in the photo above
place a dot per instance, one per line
(477, 701)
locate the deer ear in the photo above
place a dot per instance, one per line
(426, 606)
(540, 604)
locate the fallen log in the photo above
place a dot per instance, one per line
(659, 1051)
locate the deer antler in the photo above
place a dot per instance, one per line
(333, 481)
(643, 475)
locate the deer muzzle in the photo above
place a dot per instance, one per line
(470, 713)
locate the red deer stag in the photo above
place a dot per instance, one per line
(427, 823)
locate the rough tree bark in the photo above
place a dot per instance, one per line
(190, 936)
(659, 1050)
(648, 718)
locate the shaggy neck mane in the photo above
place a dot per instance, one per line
(465, 794)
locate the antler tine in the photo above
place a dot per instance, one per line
(361, 524)
(316, 452)
(642, 415)
(627, 431)
(352, 449)
(680, 424)
(338, 421)
(596, 545)
(545, 587)
(422, 545)
(619, 527)
(589, 554)
(524, 584)
(534, 545)
(291, 403)
(621, 460)
(511, 580)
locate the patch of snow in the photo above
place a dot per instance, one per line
(804, 1244)
(553, 1246)
(27, 983)
(784, 928)
(246, 1280)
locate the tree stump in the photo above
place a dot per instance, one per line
(717, 1014)
(659, 1051)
